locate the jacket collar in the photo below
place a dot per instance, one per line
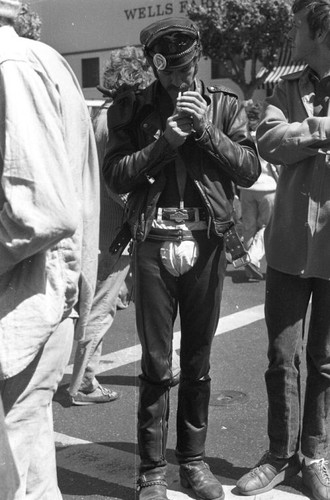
(13, 46)
(307, 89)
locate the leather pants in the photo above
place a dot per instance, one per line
(192, 419)
(153, 416)
(159, 295)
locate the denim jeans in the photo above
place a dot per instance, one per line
(27, 401)
(289, 426)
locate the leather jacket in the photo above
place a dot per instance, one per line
(137, 153)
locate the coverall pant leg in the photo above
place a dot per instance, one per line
(27, 401)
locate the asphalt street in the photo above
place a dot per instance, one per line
(96, 445)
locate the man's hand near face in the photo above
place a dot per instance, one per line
(178, 127)
(193, 105)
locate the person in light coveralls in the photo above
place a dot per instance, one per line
(49, 208)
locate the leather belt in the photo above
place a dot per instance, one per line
(174, 234)
(180, 215)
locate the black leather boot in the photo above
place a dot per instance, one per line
(197, 476)
(192, 419)
(153, 413)
(152, 485)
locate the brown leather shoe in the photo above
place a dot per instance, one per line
(316, 477)
(268, 473)
(152, 486)
(197, 475)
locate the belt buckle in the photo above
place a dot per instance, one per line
(180, 216)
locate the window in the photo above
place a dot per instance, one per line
(90, 72)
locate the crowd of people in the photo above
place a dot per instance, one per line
(159, 165)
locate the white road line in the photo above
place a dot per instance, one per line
(226, 324)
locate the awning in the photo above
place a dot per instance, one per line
(283, 67)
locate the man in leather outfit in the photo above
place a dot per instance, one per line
(177, 147)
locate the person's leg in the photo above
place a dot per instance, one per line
(156, 309)
(200, 298)
(249, 216)
(257, 248)
(175, 368)
(199, 301)
(266, 201)
(265, 204)
(249, 199)
(9, 481)
(125, 293)
(315, 439)
(89, 350)
(27, 399)
(286, 305)
(43, 451)
(315, 429)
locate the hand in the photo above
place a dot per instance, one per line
(192, 104)
(178, 127)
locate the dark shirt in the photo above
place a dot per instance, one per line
(322, 94)
(170, 196)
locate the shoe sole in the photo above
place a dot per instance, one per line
(280, 478)
(88, 403)
(74, 403)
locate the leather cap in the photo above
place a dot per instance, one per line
(171, 43)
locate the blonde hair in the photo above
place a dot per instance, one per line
(129, 67)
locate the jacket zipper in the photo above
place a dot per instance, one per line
(163, 424)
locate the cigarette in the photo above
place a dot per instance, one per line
(183, 88)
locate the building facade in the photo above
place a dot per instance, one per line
(84, 31)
